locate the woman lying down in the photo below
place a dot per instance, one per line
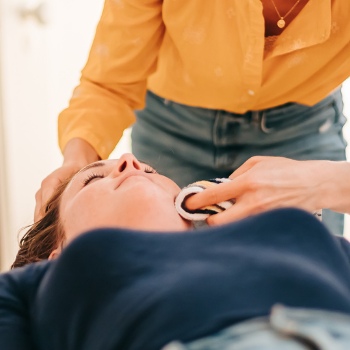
(126, 271)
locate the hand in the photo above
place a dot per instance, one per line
(48, 186)
(266, 183)
(77, 154)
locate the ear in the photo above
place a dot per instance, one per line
(55, 254)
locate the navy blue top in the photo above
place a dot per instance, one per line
(121, 289)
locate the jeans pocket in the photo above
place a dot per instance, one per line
(340, 119)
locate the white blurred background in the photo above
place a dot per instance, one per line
(43, 46)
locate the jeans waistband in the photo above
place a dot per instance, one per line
(286, 108)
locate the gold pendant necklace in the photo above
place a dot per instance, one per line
(281, 23)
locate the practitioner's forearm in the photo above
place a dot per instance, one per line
(80, 152)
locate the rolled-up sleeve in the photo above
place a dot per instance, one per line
(114, 80)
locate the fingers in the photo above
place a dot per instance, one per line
(246, 166)
(235, 213)
(249, 164)
(37, 214)
(48, 186)
(47, 189)
(216, 194)
(43, 195)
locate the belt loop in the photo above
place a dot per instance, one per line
(255, 117)
(216, 127)
(263, 126)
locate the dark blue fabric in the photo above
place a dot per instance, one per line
(18, 290)
(121, 289)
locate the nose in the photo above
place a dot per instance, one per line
(127, 162)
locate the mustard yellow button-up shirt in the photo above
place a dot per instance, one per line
(205, 53)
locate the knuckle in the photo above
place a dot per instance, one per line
(49, 182)
(252, 183)
(212, 197)
(38, 194)
(255, 159)
(45, 182)
(261, 158)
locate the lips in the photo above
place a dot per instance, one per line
(122, 178)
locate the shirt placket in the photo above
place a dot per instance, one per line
(253, 55)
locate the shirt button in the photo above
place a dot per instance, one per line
(251, 92)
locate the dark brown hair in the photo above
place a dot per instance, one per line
(44, 235)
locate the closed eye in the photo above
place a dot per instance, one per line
(91, 177)
(150, 170)
(94, 176)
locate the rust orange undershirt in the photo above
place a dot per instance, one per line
(205, 53)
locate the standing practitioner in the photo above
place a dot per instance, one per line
(213, 83)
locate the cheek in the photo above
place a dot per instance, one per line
(99, 206)
(87, 211)
(143, 193)
(168, 186)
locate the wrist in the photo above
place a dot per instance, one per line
(335, 191)
(79, 153)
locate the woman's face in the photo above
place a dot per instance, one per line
(122, 193)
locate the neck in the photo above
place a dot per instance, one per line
(283, 7)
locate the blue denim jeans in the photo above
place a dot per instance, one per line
(188, 143)
(285, 329)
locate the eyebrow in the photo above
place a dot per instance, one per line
(92, 165)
